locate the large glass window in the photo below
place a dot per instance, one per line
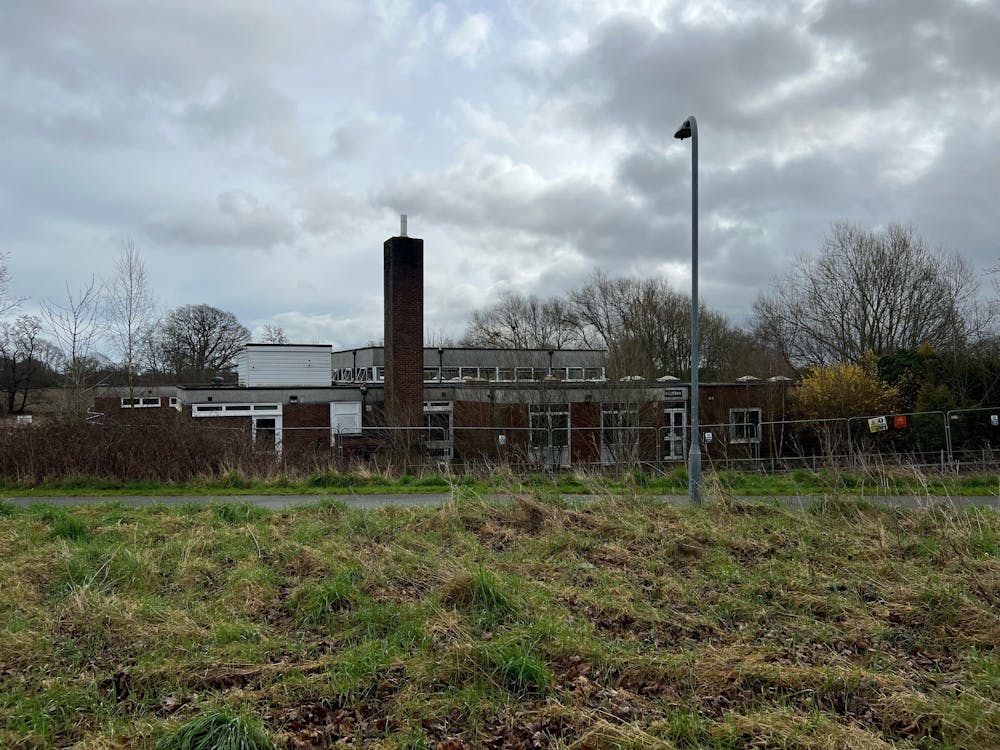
(744, 425)
(549, 421)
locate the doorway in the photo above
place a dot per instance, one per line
(675, 437)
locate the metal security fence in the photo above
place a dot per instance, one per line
(957, 439)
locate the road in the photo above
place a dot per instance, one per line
(369, 502)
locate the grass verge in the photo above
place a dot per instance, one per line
(619, 623)
(883, 481)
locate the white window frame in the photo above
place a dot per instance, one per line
(737, 424)
(130, 403)
(235, 410)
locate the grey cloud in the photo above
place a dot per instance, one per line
(597, 219)
(637, 76)
(359, 134)
(238, 220)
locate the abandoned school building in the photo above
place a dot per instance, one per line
(552, 408)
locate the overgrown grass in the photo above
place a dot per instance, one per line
(617, 623)
(885, 481)
(218, 729)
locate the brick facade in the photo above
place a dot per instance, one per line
(404, 330)
(305, 427)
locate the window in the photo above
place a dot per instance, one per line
(619, 432)
(430, 373)
(505, 374)
(525, 373)
(744, 425)
(146, 402)
(235, 410)
(438, 430)
(345, 418)
(593, 373)
(548, 420)
(574, 373)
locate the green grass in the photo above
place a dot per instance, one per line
(671, 482)
(617, 623)
(218, 729)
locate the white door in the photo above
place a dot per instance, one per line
(267, 434)
(675, 434)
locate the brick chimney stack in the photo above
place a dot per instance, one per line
(404, 329)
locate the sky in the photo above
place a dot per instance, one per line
(259, 153)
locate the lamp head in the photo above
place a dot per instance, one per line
(684, 131)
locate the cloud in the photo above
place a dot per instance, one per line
(529, 142)
(468, 39)
(238, 220)
(360, 133)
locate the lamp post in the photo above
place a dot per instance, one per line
(440, 363)
(689, 129)
(364, 404)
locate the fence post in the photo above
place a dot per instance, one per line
(850, 446)
(947, 436)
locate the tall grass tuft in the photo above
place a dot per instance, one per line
(313, 603)
(219, 729)
(481, 593)
(70, 528)
(517, 667)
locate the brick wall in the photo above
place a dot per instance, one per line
(305, 427)
(585, 437)
(404, 330)
(111, 408)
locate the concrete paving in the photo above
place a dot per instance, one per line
(405, 500)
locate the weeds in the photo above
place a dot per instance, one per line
(616, 623)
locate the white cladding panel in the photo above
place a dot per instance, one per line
(345, 417)
(286, 364)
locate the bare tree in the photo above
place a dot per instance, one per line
(130, 310)
(198, 341)
(75, 325)
(8, 302)
(521, 322)
(274, 335)
(646, 327)
(26, 360)
(435, 337)
(868, 291)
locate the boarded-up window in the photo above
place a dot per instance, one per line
(345, 417)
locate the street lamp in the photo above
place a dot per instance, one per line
(364, 404)
(689, 129)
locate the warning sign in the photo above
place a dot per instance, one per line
(878, 424)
